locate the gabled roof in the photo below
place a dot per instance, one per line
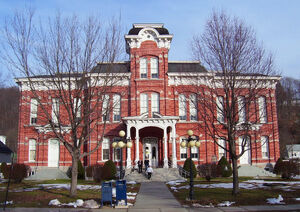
(185, 67)
(4, 148)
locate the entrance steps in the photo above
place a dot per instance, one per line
(47, 173)
(253, 171)
(159, 175)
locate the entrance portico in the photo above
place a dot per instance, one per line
(161, 122)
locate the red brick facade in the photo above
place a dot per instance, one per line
(164, 130)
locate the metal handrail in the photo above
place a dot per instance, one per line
(183, 172)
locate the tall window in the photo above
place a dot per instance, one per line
(116, 152)
(265, 146)
(117, 107)
(262, 109)
(105, 108)
(182, 107)
(193, 107)
(154, 67)
(32, 150)
(222, 152)
(195, 152)
(55, 111)
(144, 103)
(242, 109)
(143, 67)
(105, 149)
(220, 109)
(77, 107)
(183, 153)
(33, 111)
(154, 103)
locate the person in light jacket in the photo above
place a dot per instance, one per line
(149, 172)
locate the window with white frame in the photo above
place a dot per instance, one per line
(193, 107)
(117, 107)
(77, 107)
(220, 109)
(195, 151)
(143, 67)
(154, 67)
(242, 109)
(32, 150)
(105, 108)
(182, 107)
(222, 152)
(154, 103)
(105, 149)
(33, 111)
(183, 153)
(144, 103)
(116, 152)
(265, 146)
(55, 110)
(262, 109)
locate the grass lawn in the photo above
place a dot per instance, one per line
(42, 197)
(205, 196)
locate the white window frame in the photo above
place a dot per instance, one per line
(154, 103)
(77, 107)
(183, 151)
(154, 67)
(265, 147)
(143, 103)
(262, 105)
(143, 68)
(55, 110)
(105, 108)
(105, 145)
(220, 109)
(116, 107)
(221, 151)
(242, 109)
(193, 107)
(182, 107)
(195, 151)
(33, 111)
(31, 150)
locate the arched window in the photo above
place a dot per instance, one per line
(144, 103)
(116, 107)
(220, 109)
(222, 151)
(242, 109)
(193, 107)
(105, 108)
(265, 146)
(105, 149)
(182, 107)
(262, 109)
(143, 67)
(33, 111)
(32, 150)
(154, 67)
(154, 103)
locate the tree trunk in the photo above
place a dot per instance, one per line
(73, 188)
(235, 177)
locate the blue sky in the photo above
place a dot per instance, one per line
(275, 22)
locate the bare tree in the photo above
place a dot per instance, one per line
(240, 67)
(56, 62)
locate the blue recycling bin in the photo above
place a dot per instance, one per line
(106, 190)
(121, 191)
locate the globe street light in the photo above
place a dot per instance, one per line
(121, 143)
(190, 142)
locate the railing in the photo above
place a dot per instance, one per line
(183, 173)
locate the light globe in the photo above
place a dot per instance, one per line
(197, 143)
(121, 144)
(122, 133)
(190, 132)
(183, 144)
(114, 144)
(192, 143)
(129, 144)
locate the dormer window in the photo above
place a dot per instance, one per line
(154, 68)
(143, 68)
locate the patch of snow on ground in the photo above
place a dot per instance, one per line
(175, 182)
(7, 203)
(131, 197)
(298, 199)
(225, 204)
(131, 194)
(131, 182)
(54, 202)
(275, 200)
(67, 186)
(197, 205)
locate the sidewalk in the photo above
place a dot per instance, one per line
(156, 197)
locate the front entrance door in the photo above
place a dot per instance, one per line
(53, 153)
(246, 157)
(150, 150)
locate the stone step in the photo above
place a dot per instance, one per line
(46, 173)
(254, 171)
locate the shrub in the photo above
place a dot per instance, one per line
(278, 168)
(81, 172)
(97, 173)
(18, 172)
(289, 169)
(186, 166)
(109, 170)
(5, 170)
(89, 171)
(224, 168)
(208, 170)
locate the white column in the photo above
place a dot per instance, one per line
(128, 161)
(165, 149)
(137, 153)
(174, 158)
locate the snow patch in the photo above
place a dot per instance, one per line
(197, 205)
(131, 182)
(225, 204)
(54, 202)
(275, 200)
(7, 203)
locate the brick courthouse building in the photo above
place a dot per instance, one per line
(152, 110)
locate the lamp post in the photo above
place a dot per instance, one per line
(121, 143)
(190, 142)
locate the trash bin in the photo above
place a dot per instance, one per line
(121, 191)
(106, 190)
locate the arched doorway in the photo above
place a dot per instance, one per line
(150, 150)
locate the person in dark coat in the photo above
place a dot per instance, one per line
(146, 162)
(140, 166)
